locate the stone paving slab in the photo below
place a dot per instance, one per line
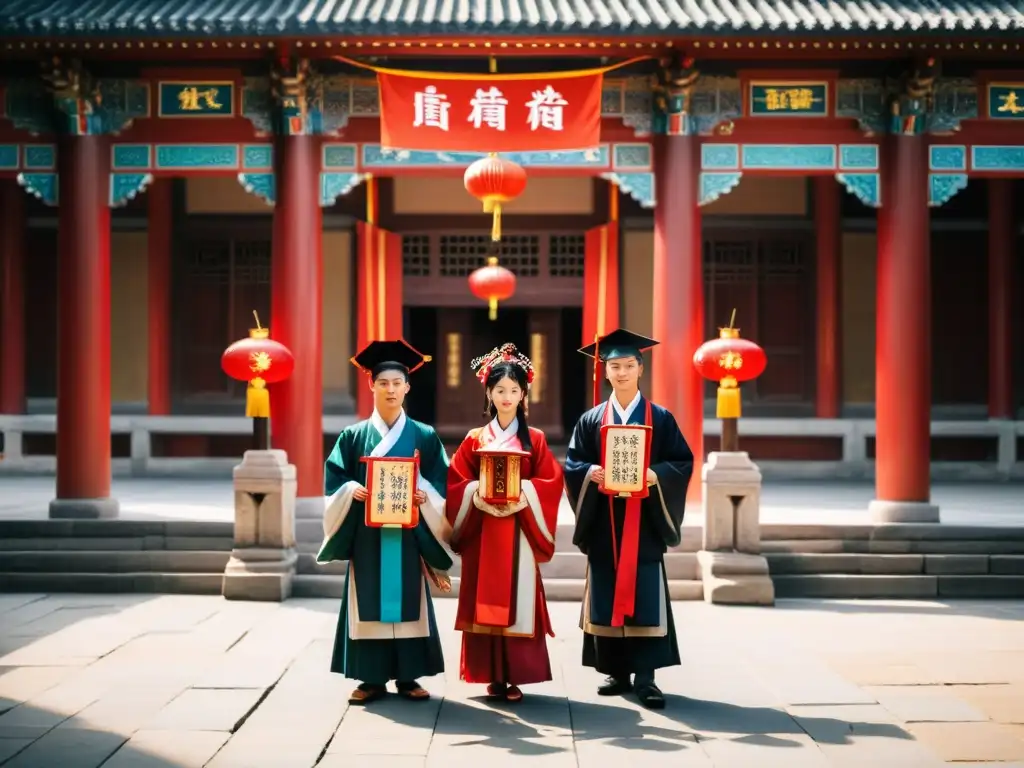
(130, 681)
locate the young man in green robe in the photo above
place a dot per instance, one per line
(386, 629)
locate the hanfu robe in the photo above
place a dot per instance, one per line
(386, 628)
(502, 611)
(619, 638)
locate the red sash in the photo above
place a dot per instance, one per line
(625, 559)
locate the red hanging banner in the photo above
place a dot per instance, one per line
(490, 113)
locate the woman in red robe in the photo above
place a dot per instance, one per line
(502, 611)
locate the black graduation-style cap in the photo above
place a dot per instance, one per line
(618, 344)
(379, 356)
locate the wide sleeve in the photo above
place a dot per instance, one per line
(582, 455)
(544, 492)
(340, 482)
(433, 532)
(463, 482)
(672, 462)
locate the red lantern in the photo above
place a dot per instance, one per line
(258, 360)
(729, 360)
(492, 283)
(495, 181)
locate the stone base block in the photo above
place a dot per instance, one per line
(734, 578)
(903, 512)
(260, 574)
(84, 509)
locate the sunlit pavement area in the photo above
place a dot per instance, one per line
(180, 681)
(841, 503)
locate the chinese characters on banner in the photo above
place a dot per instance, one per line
(392, 487)
(627, 456)
(488, 113)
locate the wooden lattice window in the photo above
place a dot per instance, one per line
(461, 254)
(730, 261)
(416, 255)
(252, 262)
(565, 255)
(209, 261)
(783, 260)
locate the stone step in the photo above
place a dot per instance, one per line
(117, 561)
(564, 565)
(556, 590)
(1006, 565)
(898, 587)
(116, 543)
(160, 583)
(29, 529)
(781, 563)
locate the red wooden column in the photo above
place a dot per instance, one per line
(678, 299)
(903, 357)
(159, 240)
(12, 298)
(83, 328)
(828, 232)
(369, 327)
(296, 310)
(1001, 243)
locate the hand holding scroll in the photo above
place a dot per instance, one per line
(597, 474)
(360, 493)
(420, 497)
(652, 479)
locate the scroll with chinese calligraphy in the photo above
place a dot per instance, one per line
(391, 488)
(625, 457)
(490, 113)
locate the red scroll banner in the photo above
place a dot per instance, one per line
(490, 113)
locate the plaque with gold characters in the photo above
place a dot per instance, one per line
(500, 475)
(625, 458)
(391, 491)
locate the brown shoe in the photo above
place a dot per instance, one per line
(366, 693)
(413, 691)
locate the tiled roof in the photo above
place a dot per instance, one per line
(180, 18)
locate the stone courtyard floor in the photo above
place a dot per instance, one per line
(126, 681)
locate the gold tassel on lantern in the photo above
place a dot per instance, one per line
(257, 400)
(496, 224)
(728, 399)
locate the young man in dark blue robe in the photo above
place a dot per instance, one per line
(386, 628)
(627, 613)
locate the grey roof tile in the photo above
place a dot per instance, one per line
(615, 17)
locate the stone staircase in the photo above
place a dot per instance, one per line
(895, 561)
(821, 561)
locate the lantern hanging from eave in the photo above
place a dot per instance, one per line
(495, 181)
(259, 361)
(492, 283)
(729, 360)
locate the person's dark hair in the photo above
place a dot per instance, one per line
(502, 370)
(389, 365)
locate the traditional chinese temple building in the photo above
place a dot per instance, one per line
(846, 176)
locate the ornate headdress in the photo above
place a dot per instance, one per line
(506, 353)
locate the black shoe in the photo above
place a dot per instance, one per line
(650, 695)
(614, 686)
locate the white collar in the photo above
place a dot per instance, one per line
(503, 435)
(382, 426)
(625, 413)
